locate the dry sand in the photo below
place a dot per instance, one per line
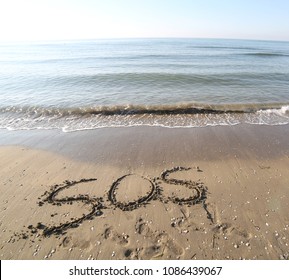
(145, 193)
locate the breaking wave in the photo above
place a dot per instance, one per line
(181, 115)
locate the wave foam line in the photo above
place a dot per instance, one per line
(83, 121)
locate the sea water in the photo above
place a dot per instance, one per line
(79, 85)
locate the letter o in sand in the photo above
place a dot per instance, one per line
(131, 191)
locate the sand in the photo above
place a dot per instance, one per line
(145, 193)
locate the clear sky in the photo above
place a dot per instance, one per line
(89, 19)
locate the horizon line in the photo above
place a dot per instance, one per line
(135, 38)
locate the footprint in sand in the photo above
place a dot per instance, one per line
(77, 242)
(120, 239)
(159, 243)
(143, 228)
(185, 225)
(228, 231)
(235, 234)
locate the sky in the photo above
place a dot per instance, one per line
(26, 20)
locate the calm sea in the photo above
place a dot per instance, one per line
(159, 82)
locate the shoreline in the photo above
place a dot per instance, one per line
(210, 143)
(145, 193)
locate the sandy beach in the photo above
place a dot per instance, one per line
(145, 193)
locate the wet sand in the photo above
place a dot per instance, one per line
(145, 193)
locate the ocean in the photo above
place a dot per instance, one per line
(79, 85)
